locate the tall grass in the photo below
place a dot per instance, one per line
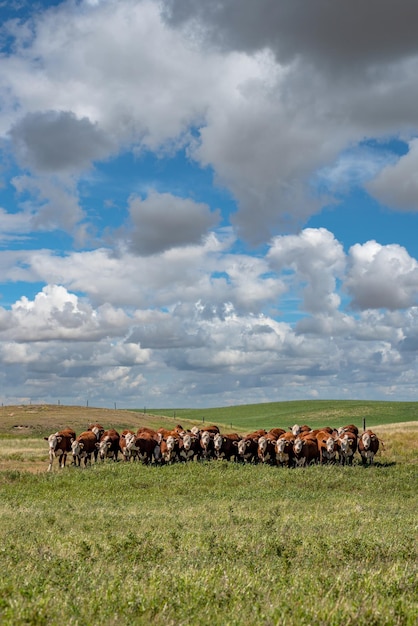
(209, 543)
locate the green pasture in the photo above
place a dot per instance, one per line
(315, 413)
(209, 543)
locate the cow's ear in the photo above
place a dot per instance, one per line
(59, 439)
(81, 444)
(46, 438)
(248, 443)
(72, 439)
(97, 445)
(235, 443)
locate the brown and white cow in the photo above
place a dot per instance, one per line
(305, 451)
(347, 443)
(368, 445)
(326, 447)
(297, 430)
(126, 443)
(169, 449)
(59, 445)
(224, 447)
(83, 447)
(350, 428)
(284, 450)
(267, 449)
(206, 444)
(97, 429)
(108, 446)
(189, 447)
(147, 446)
(247, 449)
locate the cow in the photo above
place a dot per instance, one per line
(83, 447)
(59, 445)
(368, 445)
(206, 444)
(305, 451)
(267, 449)
(189, 447)
(97, 429)
(224, 447)
(276, 432)
(350, 428)
(169, 449)
(296, 429)
(347, 444)
(147, 447)
(126, 442)
(326, 447)
(247, 449)
(284, 450)
(108, 446)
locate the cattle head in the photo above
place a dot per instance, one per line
(298, 445)
(295, 429)
(217, 442)
(187, 442)
(262, 445)
(330, 445)
(242, 446)
(103, 448)
(366, 439)
(205, 439)
(281, 446)
(53, 440)
(171, 443)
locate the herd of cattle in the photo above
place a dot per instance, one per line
(297, 447)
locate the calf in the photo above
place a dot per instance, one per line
(224, 447)
(108, 446)
(59, 445)
(368, 445)
(305, 451)
(83, 447)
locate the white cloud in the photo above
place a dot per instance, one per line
(381, 277)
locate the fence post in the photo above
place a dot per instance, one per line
(364, 424)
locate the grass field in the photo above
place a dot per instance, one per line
(205, 543)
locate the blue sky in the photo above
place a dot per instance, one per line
(208, 204)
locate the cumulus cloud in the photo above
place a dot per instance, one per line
(162, 221)
(56, 141)
(381, 277)
(397, 184)
(317, 258)
(316, 29)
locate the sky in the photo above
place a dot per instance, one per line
(208, 204)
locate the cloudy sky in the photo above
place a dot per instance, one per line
(208, 203)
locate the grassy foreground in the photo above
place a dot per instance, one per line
(209, 543)
(206, 543)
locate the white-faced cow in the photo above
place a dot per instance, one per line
(108, 446)
(368, 445)
(59, 445)
(267, 449)
(83, 447)
(326, 447)
(189, 447)
(347, 443)
(284, 450)
(305, 451)
(224, 446)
